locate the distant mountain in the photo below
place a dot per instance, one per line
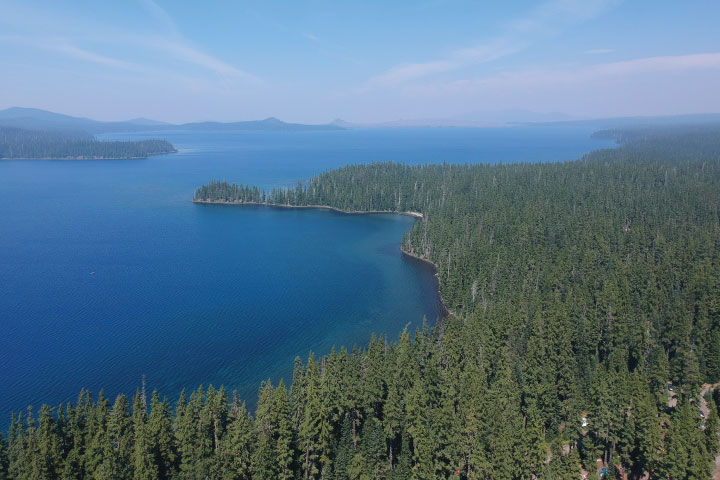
(269, 124)
(37, 114)
(36, 119)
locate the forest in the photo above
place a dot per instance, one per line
(21, 143)
(583, 339)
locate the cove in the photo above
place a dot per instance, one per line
(109, 272)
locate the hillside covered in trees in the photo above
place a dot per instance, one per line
(587, 321)
(62, 144)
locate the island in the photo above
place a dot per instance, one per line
(19, 143)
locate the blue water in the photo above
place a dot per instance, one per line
(108, 272)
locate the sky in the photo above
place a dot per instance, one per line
(364, 61)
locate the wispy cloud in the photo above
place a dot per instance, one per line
(558, 78)
(70, 37)
(161, 16)
(63, 46)
(488, 52)
(519, 34)
(180, 50)
(177, 46)
(657, 64)
(79, 53)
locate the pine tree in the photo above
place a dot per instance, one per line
(658, 375)
(143, 456)
(18, 452)
(648, 437)
(264, 461)
(237, 446)
(4, 461)
(392, 421)
(505, 424)
(601, 415)
(345, 451)
(45, 445)
(686, 453)
(712, 430)
(160, 432)
(310, 424)
(417, 427)
(191, 436)
(76, 436)
(284, 453)
(117, 452)
(373, 377)
(97, 438)
(329, 412)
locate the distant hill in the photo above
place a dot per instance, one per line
(37, 114)
(36, 119)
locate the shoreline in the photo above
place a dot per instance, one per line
(326, 207)
(446, 311)
(443, 307)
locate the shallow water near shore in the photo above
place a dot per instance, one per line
(109, 272)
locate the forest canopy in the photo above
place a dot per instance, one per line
(585, 338)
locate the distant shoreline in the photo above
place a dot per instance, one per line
(445, 311)
(90, 158)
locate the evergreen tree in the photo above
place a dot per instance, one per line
(98, 439)
(117, 452)
(160, 432)
(143, 455)
(4, 461)
(264, 461)
(238, 444)
(284, 453)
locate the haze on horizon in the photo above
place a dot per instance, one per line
(372, 61)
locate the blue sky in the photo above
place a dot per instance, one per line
(313, 61)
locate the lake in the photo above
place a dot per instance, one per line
(108, 272)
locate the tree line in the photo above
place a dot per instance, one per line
(586, 300)
(25, 144)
